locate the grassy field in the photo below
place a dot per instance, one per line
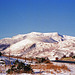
(68, 59)
(48, 67)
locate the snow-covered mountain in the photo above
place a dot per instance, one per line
(36, 44)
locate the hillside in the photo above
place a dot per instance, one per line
(36, 44)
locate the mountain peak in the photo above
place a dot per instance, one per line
(39, 33)
(35, 33)
(38, 45)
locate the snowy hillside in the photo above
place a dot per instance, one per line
(36, 44)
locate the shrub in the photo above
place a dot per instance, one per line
(42, 60)
(71, 54)
(9, 71)
(20, 67)
(0, 53)
(12, 67)
(27, 68)
(16, 62)
(64, 56)
(73, 57)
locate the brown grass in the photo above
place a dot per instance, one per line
(46, 67)
(51, 72)
(19, 57)
(67, 59)
(29, 59)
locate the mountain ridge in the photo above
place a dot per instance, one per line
(46, 45)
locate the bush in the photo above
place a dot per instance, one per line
(48, 62)
(42, 60)
(16, 62)
(20, 67)
(0, 53)
(9, 71)
(73, 57)
(27, 68)
(12, 67)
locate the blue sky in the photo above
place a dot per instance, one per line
(24, 16)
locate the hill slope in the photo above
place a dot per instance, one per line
(39, 45)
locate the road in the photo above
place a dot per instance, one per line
(62, 61)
